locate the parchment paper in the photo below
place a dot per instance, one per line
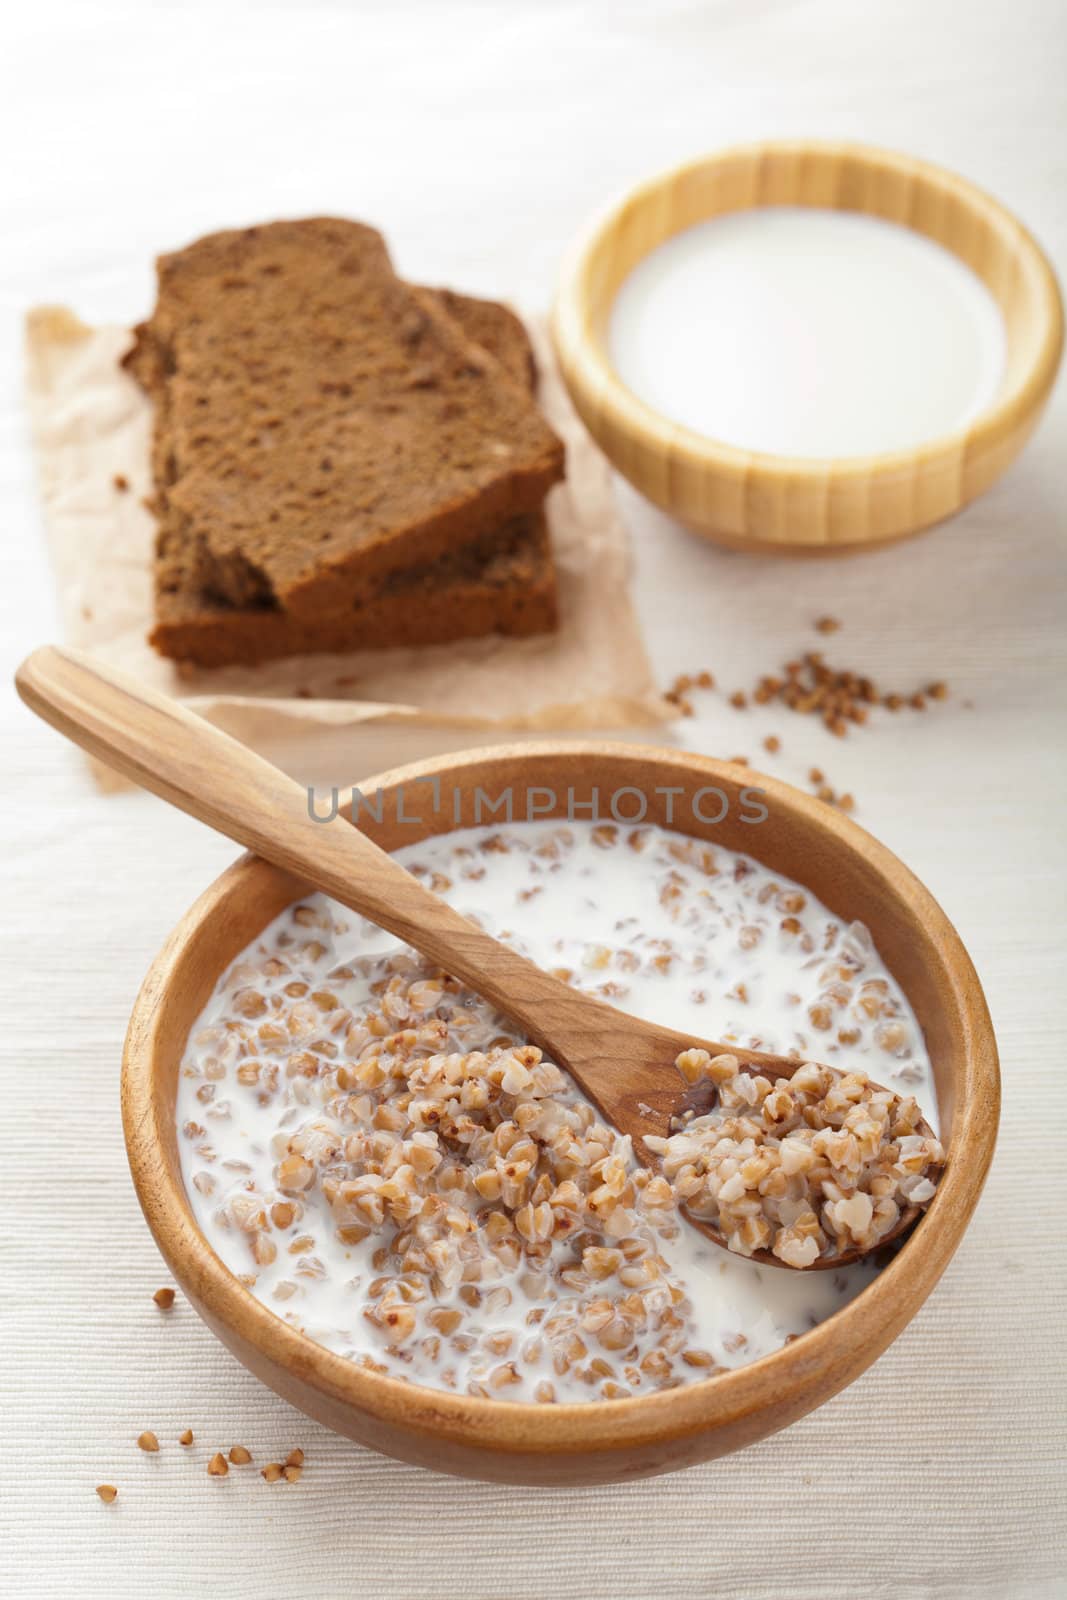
(91, 425)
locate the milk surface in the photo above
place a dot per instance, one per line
(669, 928)
(804, 332)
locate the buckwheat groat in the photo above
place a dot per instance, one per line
(392, 1170)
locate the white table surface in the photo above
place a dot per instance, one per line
(480, 137)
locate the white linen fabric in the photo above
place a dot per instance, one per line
(480, 137)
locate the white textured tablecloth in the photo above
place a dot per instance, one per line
(480, 138)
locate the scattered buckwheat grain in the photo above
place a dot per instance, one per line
(107, 1492)
(677, 694)
(840, 697)
(148, 1441)
(824, 791)
(164, 1299)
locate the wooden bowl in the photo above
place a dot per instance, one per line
(789, 504)
(602, 1441)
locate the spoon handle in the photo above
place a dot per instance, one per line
(166, 748)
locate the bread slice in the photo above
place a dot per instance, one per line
(512, 591)
(487, 323)
(324, 424)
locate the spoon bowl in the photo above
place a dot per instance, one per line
(701, 1097)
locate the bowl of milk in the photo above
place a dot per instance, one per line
(809, 346)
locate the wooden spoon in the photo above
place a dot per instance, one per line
(624, 1064)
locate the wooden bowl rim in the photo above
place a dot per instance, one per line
(588, 368)
(819, 1361)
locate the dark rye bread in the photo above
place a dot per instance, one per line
(325, 424)
(487, 323)
(512, 591)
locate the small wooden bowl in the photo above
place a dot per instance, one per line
(603, 1441)
(787, 504)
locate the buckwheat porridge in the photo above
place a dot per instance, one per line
(388, 1168)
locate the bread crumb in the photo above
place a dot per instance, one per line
(827, 625)
(772, 743)
(121, 482)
